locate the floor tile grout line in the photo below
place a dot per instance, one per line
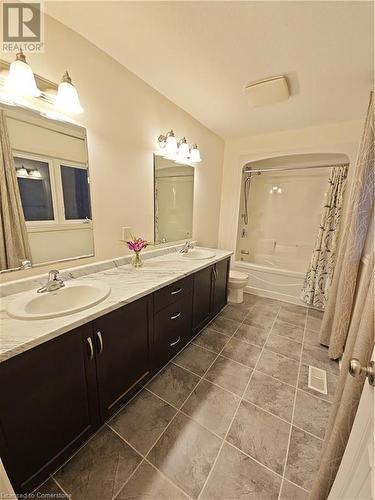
(106, 424)
(236, 411)
(124, 405)
(293, 411)
(61, 488)
(295, 484)
(314, 396)
(128, 479)
(182, 404)
(289, 422)
(144, 459)
(280, 354)
(253, 459)
(274, 378)
(179, 408)
(167, 478)
(288, 338)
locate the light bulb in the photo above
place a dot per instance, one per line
(195, 155)
(21, 79)
(279, 190)
(171, 144)
(67, 96)
(183, 149)
(22, 171)
(35, 173)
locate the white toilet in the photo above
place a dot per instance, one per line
(236, 285)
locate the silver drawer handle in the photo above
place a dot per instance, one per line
(174, 343)
(100, 338)
(176, 315)
(176, 291)
(91, 348)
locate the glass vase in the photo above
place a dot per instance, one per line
(136, 260)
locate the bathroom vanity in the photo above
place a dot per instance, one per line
(60, 387)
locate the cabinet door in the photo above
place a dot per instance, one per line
(122, 340)
(220, 287)
(48, 407)
(202, 298)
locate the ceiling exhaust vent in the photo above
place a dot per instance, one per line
(268, 91)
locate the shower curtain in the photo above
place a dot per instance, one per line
(348, 322)
(320, 272)
(14, 242)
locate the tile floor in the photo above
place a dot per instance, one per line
(231, 417)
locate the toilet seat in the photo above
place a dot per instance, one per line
(236, 276)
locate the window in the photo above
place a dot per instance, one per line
(52, 192)
(35, 189)
(76, 194)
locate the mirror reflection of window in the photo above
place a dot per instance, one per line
(76, 194)
(174, 196)
(35, 189)
(47, 189)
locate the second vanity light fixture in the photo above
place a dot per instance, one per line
(178, 151)
(21, 82)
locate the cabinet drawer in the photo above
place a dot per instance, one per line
(172, 329)
(172, 293)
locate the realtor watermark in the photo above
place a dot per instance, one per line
(23, 26)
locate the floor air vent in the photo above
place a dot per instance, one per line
(317, 380)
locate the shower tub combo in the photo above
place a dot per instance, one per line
(280, 210)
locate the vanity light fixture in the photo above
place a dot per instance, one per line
(22, 172)
(275, 189)
(183, 149)
(35, 173)
(67, 96)
(21, 78)
(171, 146)
(195, 155)
(178, 151)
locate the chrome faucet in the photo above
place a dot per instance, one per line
(53, 282)
(187, 246)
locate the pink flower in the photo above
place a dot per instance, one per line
(137, 244)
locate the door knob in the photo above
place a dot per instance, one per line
(355, 370)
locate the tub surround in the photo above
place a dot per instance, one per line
(161, 267)
(274, 283)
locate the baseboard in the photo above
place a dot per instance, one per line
(261, 292)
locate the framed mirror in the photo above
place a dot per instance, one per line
(173, 200)
(51, 185)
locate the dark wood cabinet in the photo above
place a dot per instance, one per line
(220, 286)
(210, 293)
(55, 396)
(122, 342)
(202, 298)
(171, 293)
(48, 406)
(172, 330)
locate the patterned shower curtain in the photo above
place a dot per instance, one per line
(320, 272)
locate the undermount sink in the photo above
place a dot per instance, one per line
(73, 297)
(197, 254)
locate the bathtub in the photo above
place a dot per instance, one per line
(276, 276)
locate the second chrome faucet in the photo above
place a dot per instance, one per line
(54, 282)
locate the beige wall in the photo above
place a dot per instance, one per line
(124, 117)
(341, 137)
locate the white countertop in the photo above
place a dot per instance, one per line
(127, 284)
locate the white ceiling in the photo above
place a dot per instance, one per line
(201, 54)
